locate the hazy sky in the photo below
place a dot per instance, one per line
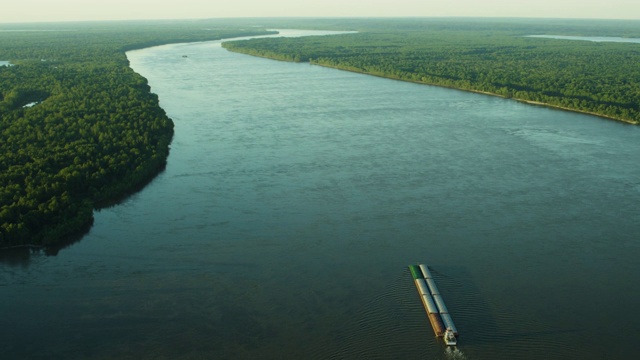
(65, 10)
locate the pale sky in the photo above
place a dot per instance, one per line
(12, 11)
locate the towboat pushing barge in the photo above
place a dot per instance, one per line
(450, 337)
(434, 305)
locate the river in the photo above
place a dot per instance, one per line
(293, 200)
(589, 38)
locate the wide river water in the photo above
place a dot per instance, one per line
(293, 200)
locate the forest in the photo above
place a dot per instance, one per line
(485, 55)
(78, 127)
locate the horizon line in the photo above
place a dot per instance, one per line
(311, 18)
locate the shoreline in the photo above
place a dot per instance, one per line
(530, 102)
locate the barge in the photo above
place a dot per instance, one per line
(433, 303)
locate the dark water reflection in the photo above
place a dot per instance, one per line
(293, 200)
(19, 257)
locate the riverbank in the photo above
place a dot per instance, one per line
(631, 122)
(360, 71)
(530, 102)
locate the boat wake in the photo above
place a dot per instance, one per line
(454, 353)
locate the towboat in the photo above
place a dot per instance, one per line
(450, 337)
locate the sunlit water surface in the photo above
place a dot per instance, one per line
(589, 38)
(294, 198)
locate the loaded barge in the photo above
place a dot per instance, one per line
(434, 305)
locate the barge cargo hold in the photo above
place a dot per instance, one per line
(433, 303)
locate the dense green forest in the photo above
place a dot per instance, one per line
(78, 127)
(486, 55)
